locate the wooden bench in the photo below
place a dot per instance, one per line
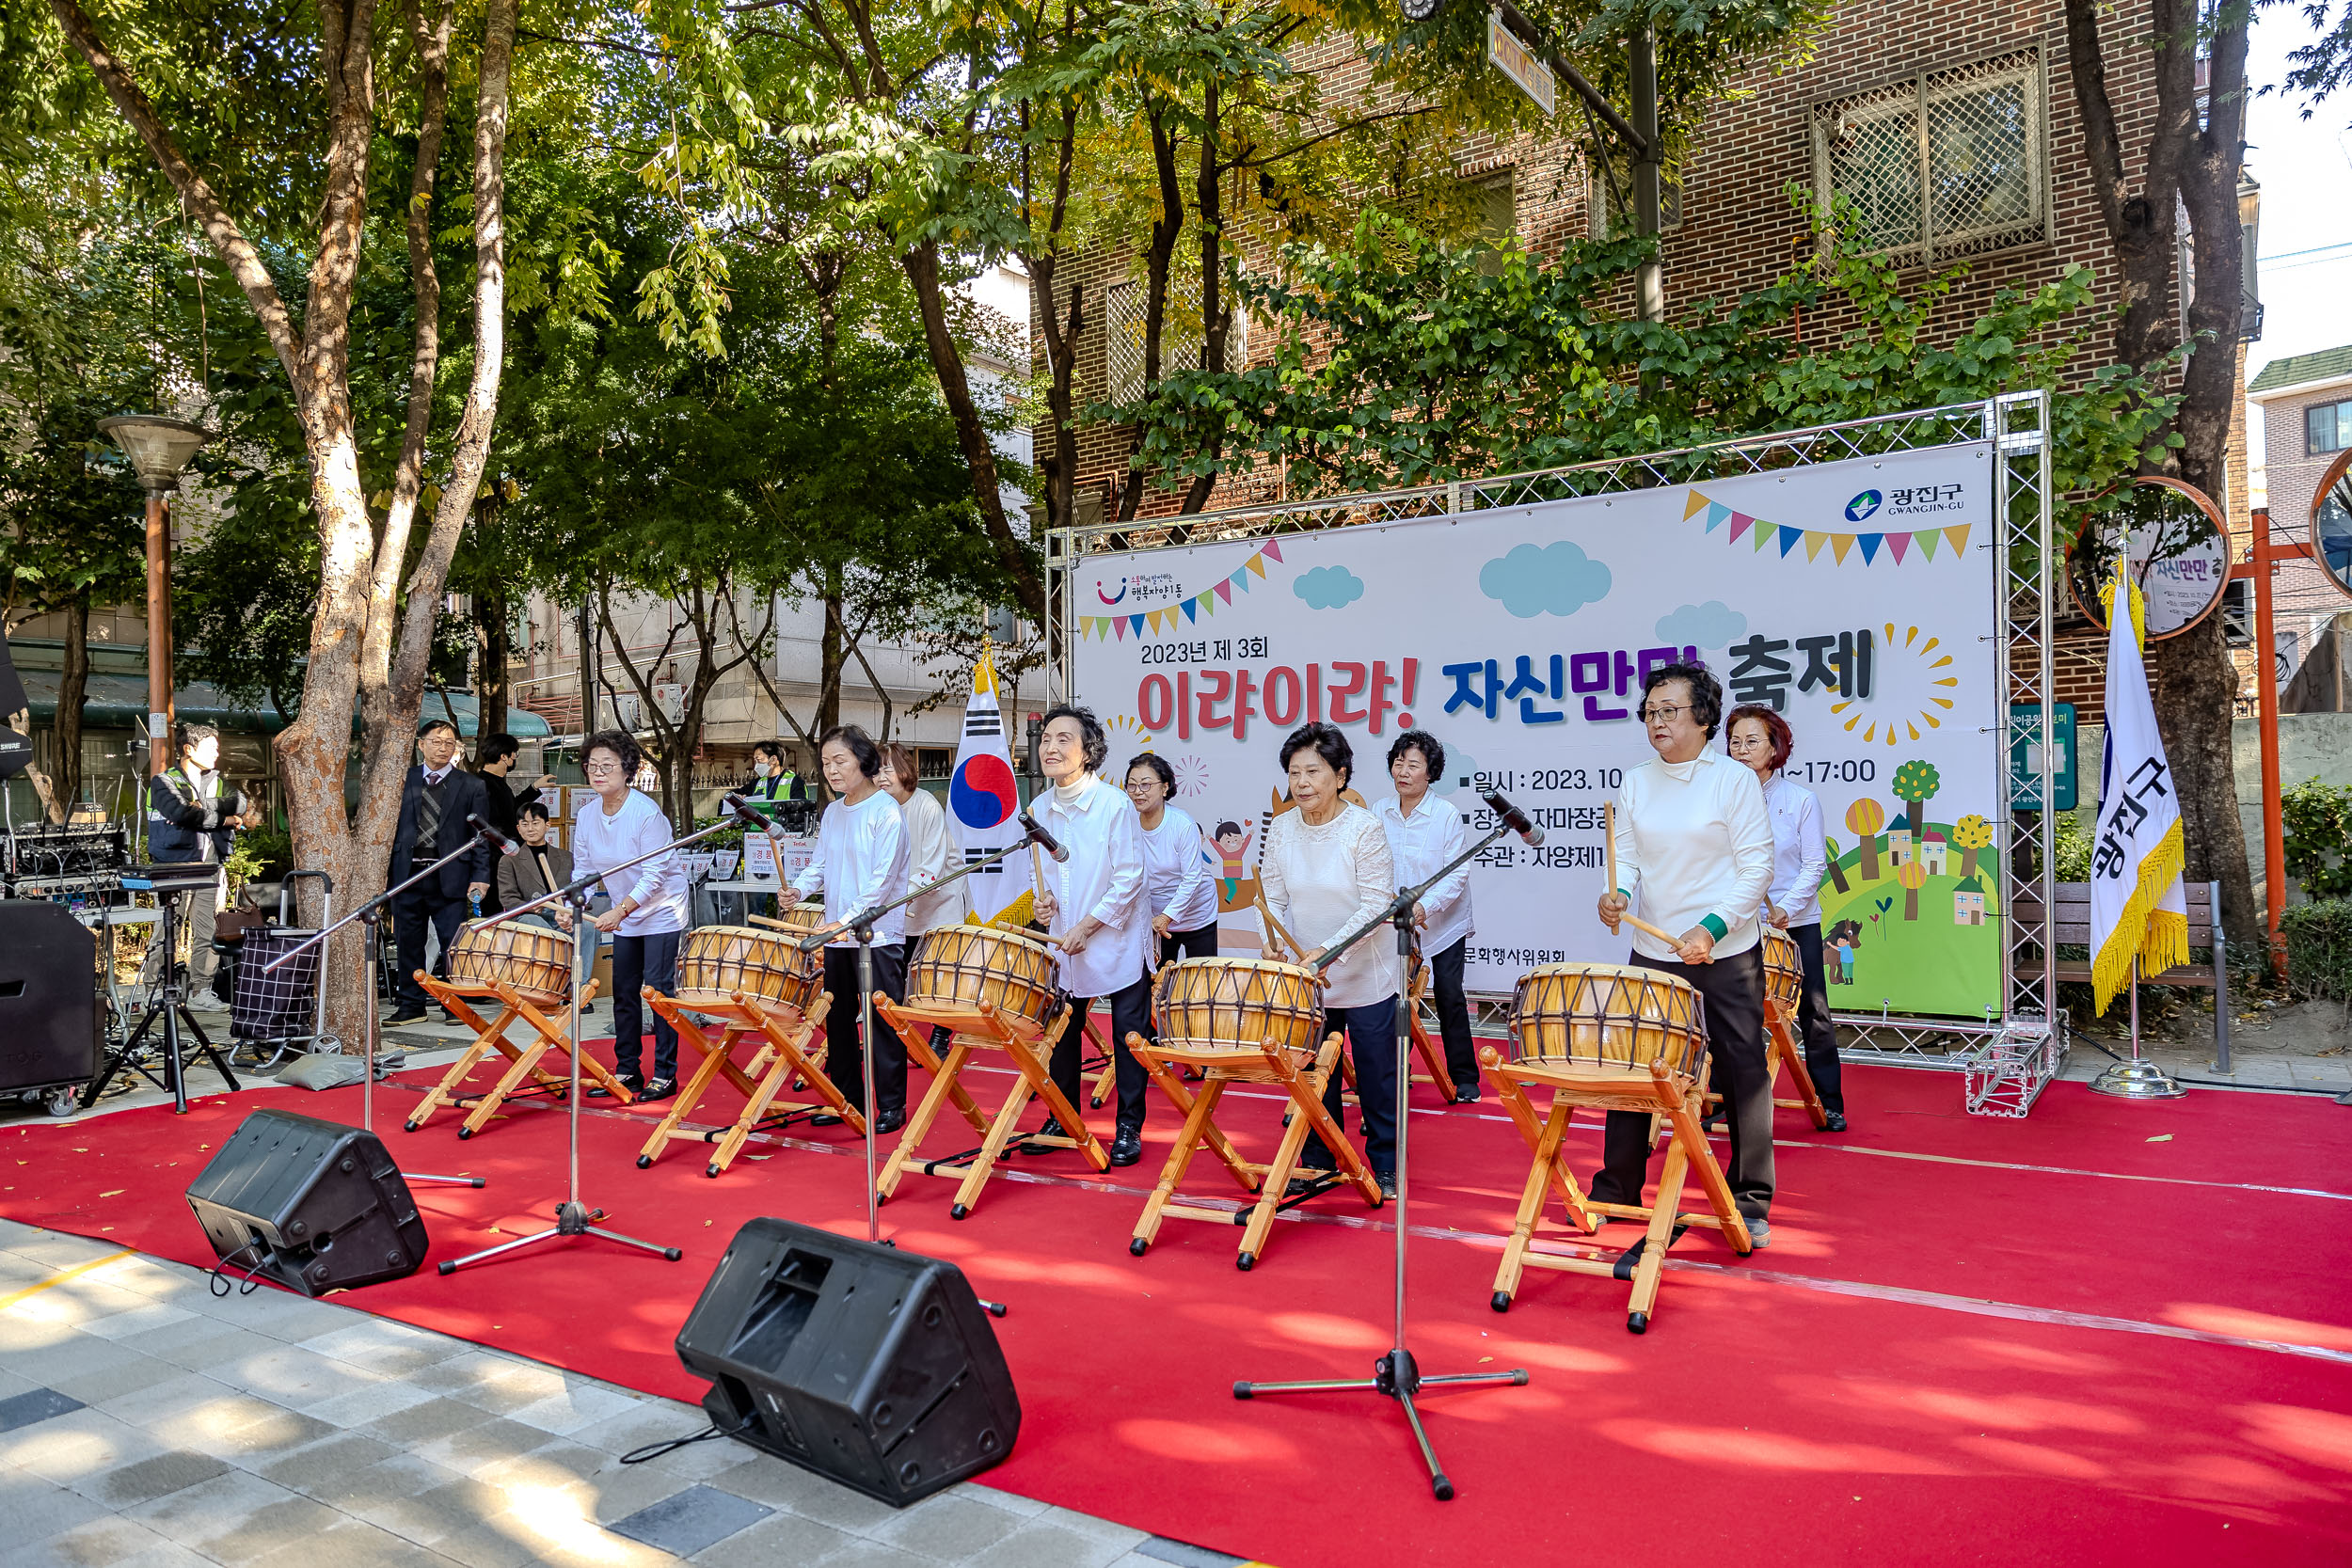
(2071, 926)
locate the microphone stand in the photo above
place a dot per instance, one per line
(572, 1216)
(371, 914)
(1396, 1374)
(861, 926)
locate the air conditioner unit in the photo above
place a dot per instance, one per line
(628, 710)
(669, 697)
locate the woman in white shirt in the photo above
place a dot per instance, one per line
(861, 861)
(1695, 843)
(648, 911)
(1326, 873)
(1093, 902)
(1425, 833)
(1760, 737)
(1177, 887)
(931, 851)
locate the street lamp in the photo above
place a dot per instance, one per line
(159, 450)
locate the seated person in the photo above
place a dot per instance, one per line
(538, 870)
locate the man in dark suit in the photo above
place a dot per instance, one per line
(494, 761)
(435, 802)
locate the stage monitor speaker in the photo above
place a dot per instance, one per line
(48, 997)
(314, 1205)
(875, 1367)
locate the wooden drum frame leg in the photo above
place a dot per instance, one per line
(944, 1086)
(1199, 1129)
(713, 1058)
(1780, 1032)
(784, 1061)
(488, 1037)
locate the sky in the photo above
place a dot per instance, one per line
(2305, 166)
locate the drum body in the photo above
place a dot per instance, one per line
(715, 962)
(1610, 1021)
(1225, 1009)
(955, 968)
(1784, 969)
(530, 960)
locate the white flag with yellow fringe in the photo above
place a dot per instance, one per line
(2137, 909)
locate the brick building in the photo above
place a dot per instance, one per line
(1952, 127)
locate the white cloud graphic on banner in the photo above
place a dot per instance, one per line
(1711, 624)
(1547, 580)
(1328, 587)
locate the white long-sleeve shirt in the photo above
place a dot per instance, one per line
(1176, 879)
(861, 861)
(1103, 879)
(931, 853)
(1695, 847)
(1324, 884)
(1800, 850)
(1418, 845)
(659, 885)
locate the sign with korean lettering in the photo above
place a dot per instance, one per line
(1856, 598)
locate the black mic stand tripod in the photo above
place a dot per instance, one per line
(1397, 1375)
(167, 1004)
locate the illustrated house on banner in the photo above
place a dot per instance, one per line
(1968, 903)
(1932, 851)
(1899, 845)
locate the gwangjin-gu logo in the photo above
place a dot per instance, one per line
(1860, 509)
(1112, 598)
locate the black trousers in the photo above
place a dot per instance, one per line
(1454, 1025)
(1198, 942)
(1131, 1011)
(1733, 990)
(412, 912)
(1371, 1032)
(844, 1059)
(639, 962)
(1814, 1027)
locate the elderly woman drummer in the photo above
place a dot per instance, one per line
(1092, 900)
(1326, 875)
(1695, 843)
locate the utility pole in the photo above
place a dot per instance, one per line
(1642, 82)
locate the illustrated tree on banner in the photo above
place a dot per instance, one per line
(2137, 909)
(983, 799)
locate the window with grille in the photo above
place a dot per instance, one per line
(1179, 332)
(934, 762)
(1943, 165)
(2327, 427)
(1613, 181)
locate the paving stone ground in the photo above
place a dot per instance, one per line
(147, 1423)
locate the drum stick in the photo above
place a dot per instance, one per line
(1275, 926)
(774, 923)
(1609, 856)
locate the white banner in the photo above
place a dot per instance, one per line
(1858, 597)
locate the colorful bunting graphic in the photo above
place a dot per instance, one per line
(1897, 546)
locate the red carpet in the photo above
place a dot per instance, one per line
(2139, 1352)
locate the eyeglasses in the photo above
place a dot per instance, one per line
(1653, 713)
(1750, 743)
(596, 767)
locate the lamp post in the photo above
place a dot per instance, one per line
(159, 450)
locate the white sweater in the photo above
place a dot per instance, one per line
(1326, 883)
(1695, 847)
(861, 861)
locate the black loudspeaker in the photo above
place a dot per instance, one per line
(48, 997)
(874, 1366)
(314, 1205)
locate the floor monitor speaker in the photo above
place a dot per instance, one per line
(875, 1367)
(314, 1205)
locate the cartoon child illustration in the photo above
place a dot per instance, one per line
(1844, 938)
(1232, 845)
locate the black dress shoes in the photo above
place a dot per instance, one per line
(404, 1015)
(629, 1080)
(890, 1121)
(824, 1119)
(1465, 1094)
(1053, 1128)
(657, 1088)
(1127, 1147)
(1388, 1184)
(1836, 1122)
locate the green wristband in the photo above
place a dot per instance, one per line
(1715, 926)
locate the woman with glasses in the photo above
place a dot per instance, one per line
(1177, 886)
(648, 911)
(861, 864)
(1326, 873)
(1695, 843)
(1760, 737)
(1425, 833)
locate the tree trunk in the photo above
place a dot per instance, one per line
(1213, 322)
(1837, 873)
(829, 661)
(1869, 857)
(1911, 902)
(921, 266)
(493, 645)
(72, 688)
(1167, 226)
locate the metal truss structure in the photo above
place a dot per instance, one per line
(2005, 1058)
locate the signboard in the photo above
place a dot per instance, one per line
(1859, 599)
(1515, 60)
(759, 858)
(2025, 756)
(2179, 549)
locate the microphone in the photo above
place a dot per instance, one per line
(1042, 839)
(506, 844)
(1512, 817)
(749, 814)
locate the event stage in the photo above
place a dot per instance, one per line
(2112, 1332)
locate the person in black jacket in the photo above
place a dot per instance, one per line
(494, 761)
(435, 802)
(192, 818)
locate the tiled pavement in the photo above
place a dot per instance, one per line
(145, 1421)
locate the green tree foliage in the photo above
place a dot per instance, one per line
(1403, 361)
(1915, 784)
(2318, 818)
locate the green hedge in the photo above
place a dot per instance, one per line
(2319, 947)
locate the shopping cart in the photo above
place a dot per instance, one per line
(275, 1010)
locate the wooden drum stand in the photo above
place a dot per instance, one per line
(525, 969)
